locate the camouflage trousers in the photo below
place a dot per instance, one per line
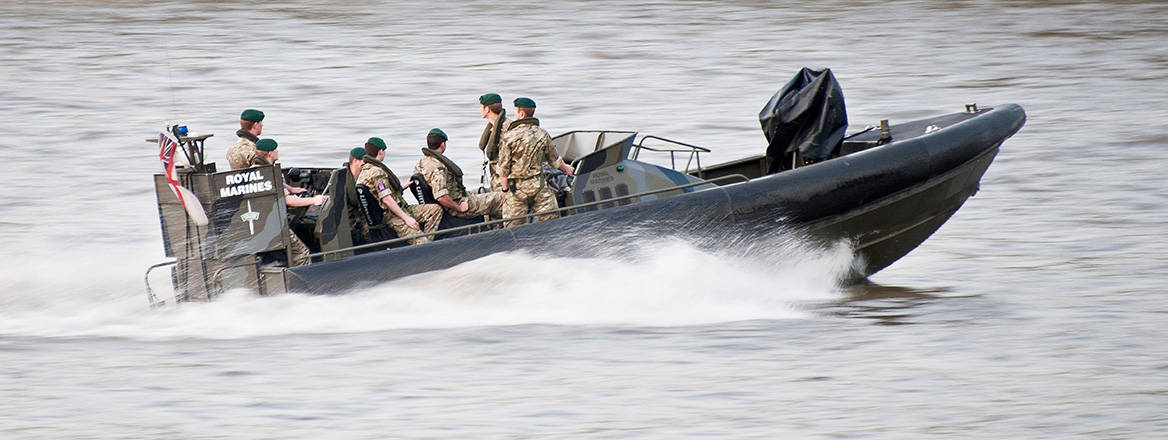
(496, 182)
(479, 205)
(428, 215)
(299, 251)
(528, 194)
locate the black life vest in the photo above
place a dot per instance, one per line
(450, 165)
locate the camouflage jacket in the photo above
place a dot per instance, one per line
(444, 180)
(524, 150)
(490, 139)
(381, 181)
(241, 153)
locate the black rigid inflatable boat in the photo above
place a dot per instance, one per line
(884, 189)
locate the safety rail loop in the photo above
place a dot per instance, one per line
(694, 152)
(150, 296)
(215, 278)
(536, 214)
(218, 283)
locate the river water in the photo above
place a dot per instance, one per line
(1037, 311)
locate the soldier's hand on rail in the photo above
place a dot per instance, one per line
(568, 169)
(318, 200)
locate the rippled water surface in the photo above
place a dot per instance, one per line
(1038, 311)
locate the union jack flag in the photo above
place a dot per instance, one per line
(167, 146)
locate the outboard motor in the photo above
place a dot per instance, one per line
(804, 122)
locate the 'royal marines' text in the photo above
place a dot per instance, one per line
(245, 183)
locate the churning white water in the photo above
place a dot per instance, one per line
(664, 283)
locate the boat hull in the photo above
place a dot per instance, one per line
(885, 201)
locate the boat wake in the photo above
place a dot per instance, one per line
(670, 282)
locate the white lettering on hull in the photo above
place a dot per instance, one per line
(245, 183)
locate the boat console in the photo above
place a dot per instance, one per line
(607, 168)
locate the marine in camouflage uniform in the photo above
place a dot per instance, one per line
(264, 154)
(522, 154)
(242, 152)
(445, 180)
(380, 180)
(358, 228)
(492, 108)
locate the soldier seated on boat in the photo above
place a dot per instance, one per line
(445, 180)
(405, 219)
(358, 226)
(266, 154)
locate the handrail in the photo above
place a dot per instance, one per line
(694, 152)
(691, 146)
(153, 299)
(550, 211)
(215, 281)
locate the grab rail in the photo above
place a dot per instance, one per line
(550, 211)
(217, 282)
(694, 152)
(150, 296)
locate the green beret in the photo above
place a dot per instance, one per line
(375, 144)
(252, 114)
(439, 132)
(524, 102)
(357, 153)
(490, 98)
(266, 144)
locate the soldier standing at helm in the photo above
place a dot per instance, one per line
(445, 180)
(491, 109)
(404, 219)
(266, 154)
(522, 153)
(241, 153)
